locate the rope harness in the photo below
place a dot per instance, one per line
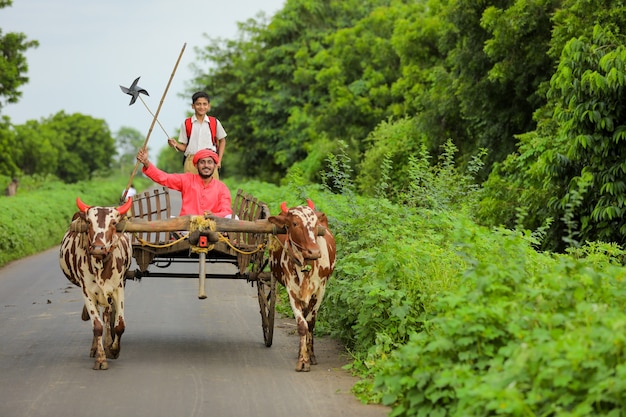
(201, 224)
(288, 249)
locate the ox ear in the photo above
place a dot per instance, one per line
(283, 207)
(321, 217)
(309, 203)
(82, 206)
(125, 207)
(279, 220)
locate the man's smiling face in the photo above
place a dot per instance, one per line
(206, 166)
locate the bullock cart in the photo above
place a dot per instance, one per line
(96, 255)
(160, 240)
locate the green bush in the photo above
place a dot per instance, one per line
(444, 317)
(526, 334)
(35, 220)
(393, 139)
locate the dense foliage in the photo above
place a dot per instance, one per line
(522, 334)
(570, 171)
(465, 70)
(70, 147)
(445, 317)
(534, 88)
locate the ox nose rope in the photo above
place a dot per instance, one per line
(288, 249)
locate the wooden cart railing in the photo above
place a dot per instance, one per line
(241, 248)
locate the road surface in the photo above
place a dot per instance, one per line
(180, 356)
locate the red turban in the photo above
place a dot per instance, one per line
(205, 153)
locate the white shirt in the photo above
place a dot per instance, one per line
(201, 137)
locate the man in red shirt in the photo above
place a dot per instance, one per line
(201, 193)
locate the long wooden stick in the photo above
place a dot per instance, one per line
(154, 120)
(153, 115)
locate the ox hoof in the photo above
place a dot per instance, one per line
(202, 296)
(303, 367)
(112, 354)
(100, 366)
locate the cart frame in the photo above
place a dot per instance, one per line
(159, 245)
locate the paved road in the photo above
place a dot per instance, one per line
(180, 356)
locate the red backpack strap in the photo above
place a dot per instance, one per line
(213, 127)
(188, 127)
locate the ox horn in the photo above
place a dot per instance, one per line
(125, 207)
(309, 202)
(283, 207)
(82, 206)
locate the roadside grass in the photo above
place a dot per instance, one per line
(36, 218)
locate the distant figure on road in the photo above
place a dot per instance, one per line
(11, 188)
(131, 192)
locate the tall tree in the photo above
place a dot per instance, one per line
(128, 141)
(353, 79)
(85, 145)
(35, 151)
(589, 88)
(8, 166)
(13, 65)
(260, 86)
(570, 169)
(496, 60)
(13, 69)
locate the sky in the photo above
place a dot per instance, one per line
(88, 48)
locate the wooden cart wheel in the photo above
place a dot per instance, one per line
(266, 289)
(249, 208)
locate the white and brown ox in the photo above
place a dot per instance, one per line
(97, 261)
(303, 263)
